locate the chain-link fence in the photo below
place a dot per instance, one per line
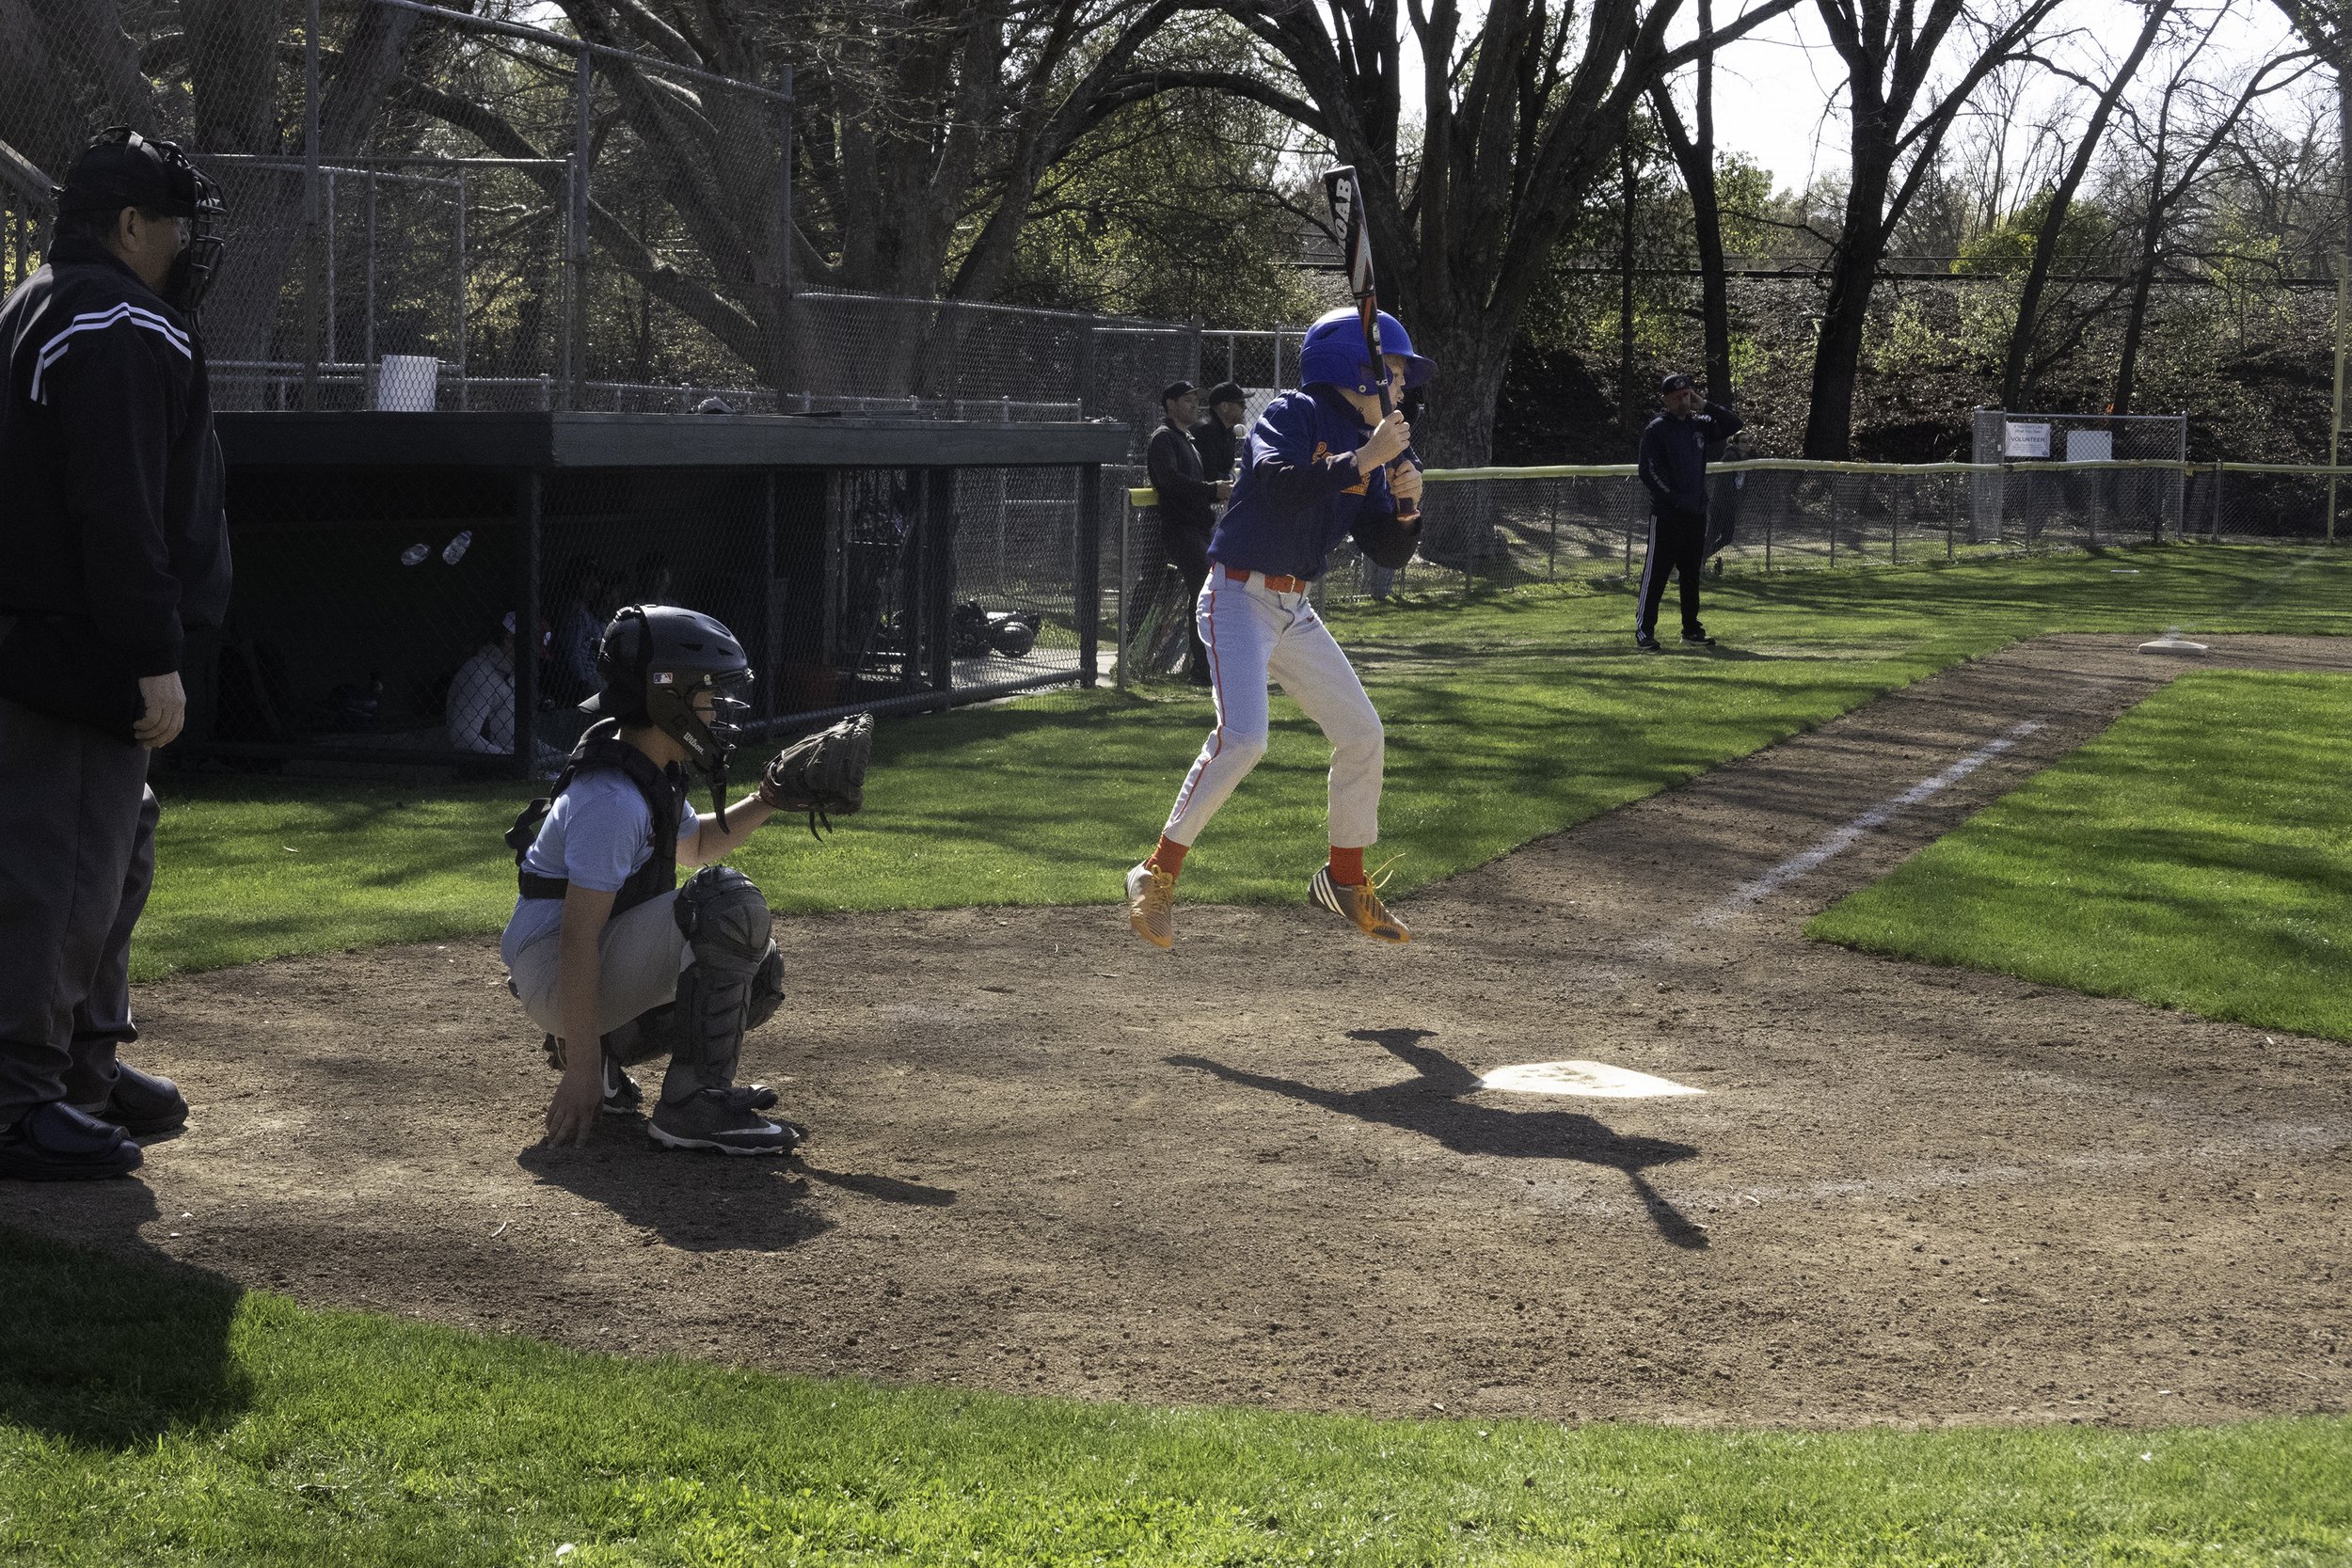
(1503, 527)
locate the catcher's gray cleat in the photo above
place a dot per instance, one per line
(725, 1120)
(1152, 904)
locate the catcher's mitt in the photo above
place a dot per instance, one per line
(823, 774)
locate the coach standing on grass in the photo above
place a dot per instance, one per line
(1186, 504)
(115, 546)
(1673, 465)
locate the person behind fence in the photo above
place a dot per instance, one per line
(1217, 438)
(607, 953)
(1186, 504)
(478, 714)
(1321, 465)
(1673, 465)
(117, 551)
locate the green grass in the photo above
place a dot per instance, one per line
(154, 1416)
(2197, 855)
(1509, 716)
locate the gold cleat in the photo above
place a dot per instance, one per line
(1358, 903)
(1152, 904)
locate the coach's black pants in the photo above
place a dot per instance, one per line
(1677, 543)
(77, 853)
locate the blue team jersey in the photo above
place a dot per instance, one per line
(1299, 495)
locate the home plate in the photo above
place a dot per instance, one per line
(1592, 1080)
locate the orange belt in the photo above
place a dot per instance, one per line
(1278, 583)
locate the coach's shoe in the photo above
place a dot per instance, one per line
(54, 1142)
(1152, 904)
(148, 1108)
(1647, 642)
(1359, 904)
(1696, 637)
(622, 1095)
(726, 1121)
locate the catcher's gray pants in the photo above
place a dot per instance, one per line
(644, 952)
(77, 854)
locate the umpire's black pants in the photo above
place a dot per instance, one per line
(77, 853)
(1677, 543)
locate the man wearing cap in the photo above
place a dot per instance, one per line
(117, 548)
(1673, 465)
(1217, 437)
(1186, 498)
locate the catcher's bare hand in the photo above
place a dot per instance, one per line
(824, 774)
(578, 1098)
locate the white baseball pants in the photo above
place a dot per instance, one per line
(1253, 633)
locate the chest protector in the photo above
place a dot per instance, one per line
(664, 790)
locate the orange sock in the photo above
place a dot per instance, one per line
(1168, 857)
(1347, 867)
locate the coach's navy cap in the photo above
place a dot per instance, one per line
(1227, 392)
(1174, 389)
(1675, 383)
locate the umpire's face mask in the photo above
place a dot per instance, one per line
(193, 269)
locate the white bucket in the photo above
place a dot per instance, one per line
(406, 383)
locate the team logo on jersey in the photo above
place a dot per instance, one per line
(1324, 452)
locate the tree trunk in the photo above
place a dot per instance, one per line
(1837, 356)
(1628, 408)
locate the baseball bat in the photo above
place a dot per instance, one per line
(1346, 196)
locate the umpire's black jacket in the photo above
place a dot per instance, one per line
(110, 474)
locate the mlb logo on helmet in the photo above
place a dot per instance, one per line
(663, 677)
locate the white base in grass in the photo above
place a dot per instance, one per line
(2176, 645)
(1590, 1080)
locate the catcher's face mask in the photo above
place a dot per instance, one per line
(684, 674)
(121, 168)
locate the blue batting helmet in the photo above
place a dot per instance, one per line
(1334, 351)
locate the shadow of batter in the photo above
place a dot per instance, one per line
(1436, 1105)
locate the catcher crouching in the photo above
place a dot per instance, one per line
(605, 945)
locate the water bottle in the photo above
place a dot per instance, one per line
(414, 555)
(455, 551)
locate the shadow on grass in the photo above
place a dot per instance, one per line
(694, 1202)
(1435, 1105)
(113, 1350)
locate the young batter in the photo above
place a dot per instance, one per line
(1320, 466)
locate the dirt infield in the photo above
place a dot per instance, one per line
(1262, 1169)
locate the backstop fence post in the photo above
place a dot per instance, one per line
(527, 519)
(1090, 569)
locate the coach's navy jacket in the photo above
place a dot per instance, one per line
(1299, 495)
(110, 474)
(1672, 461)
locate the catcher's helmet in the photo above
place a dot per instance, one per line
(651, 661)
(121, 168)
(1333, 351)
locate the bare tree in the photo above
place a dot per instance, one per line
(1897, 119)
(2061, 202)
(1524, 109)
(2188, 122)
(1693, 150)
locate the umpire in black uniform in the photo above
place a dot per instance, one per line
(114, 547)
(1673, 465)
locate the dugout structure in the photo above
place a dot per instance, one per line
(892, 565)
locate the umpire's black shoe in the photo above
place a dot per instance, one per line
(148, 1108)
(57, 1143)
(1647, 642)
(1696, 637)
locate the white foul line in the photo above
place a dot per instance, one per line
(1749, 894)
